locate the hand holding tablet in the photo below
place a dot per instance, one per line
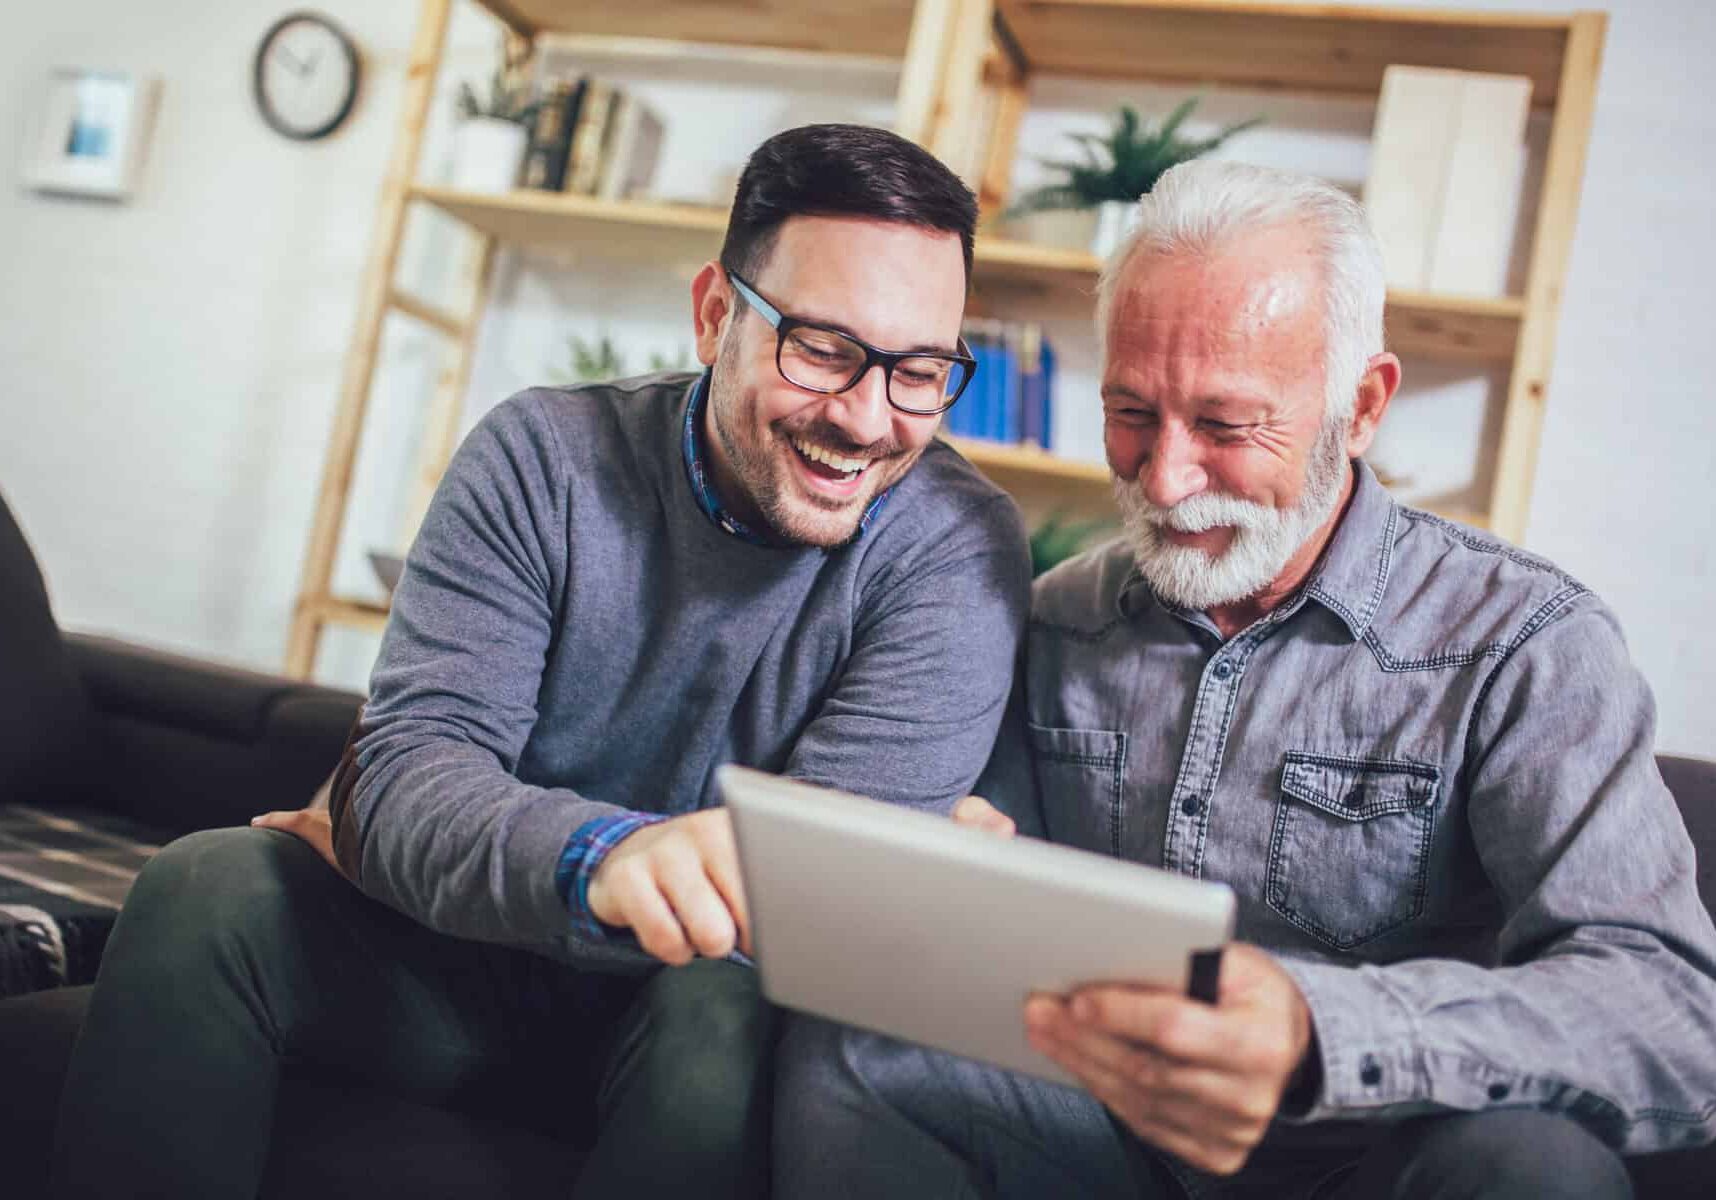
(914, 926)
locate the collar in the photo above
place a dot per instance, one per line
(1353, 573)
(1349, 578)
(697, 474)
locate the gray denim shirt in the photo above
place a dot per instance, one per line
(1429, 777)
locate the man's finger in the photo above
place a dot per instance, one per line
(696, 902)
(1167, 1022)
(646, 912)
(1116, 1088)
(978, 813)
(721, 861)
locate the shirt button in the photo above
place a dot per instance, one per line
(1370, 1071)
(1499, 1091)
(1190, 806)
(1223, 669)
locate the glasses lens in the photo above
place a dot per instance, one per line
(925, 384)
(820, 359)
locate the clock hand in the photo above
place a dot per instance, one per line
(291, 61)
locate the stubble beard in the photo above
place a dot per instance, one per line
(763, 469)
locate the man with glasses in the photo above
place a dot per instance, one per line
(617, 589)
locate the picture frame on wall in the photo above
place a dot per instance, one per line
(94, 128)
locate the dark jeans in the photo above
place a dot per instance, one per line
(240, 954)
(859, 1116)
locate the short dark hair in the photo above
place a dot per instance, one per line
(842, 171)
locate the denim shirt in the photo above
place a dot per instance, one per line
(1429, 777)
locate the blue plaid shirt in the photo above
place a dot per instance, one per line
(590, 843)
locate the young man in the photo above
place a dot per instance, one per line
(617, 589)
(1471, 958)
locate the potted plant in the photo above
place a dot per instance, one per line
(491, 135)
(1118, 168)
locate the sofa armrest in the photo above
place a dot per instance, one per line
(194, 745)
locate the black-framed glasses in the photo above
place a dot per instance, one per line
(819, 359)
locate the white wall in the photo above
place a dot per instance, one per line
(169, 368)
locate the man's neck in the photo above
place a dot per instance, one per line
(1231, 618)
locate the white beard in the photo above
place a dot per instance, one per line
(1264, 537)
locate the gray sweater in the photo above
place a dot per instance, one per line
(573, 637)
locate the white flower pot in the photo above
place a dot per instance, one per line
(1067, 228)
(1114, 220)
(487, 154)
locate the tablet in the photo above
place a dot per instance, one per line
(904, 923)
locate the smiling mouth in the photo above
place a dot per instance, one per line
(826, 464)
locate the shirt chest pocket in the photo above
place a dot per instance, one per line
(1079, 775)
(1350, 852)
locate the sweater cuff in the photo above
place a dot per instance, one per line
(585, 850)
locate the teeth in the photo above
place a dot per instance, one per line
(828, 458)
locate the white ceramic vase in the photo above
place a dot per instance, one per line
(1067, 228)
(1114, 220)
(487, 154)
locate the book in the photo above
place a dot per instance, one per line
(1469, 255)
(550, 141)
(1415, 129)
(633, 153)
(1446, 159)
(584, 163)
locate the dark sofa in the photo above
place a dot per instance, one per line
(162, 746)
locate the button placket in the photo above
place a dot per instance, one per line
(1200, 765)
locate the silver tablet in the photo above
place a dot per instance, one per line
(909, 925)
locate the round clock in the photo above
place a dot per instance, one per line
(306, 76)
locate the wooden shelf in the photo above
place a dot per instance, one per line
(1000, 458)
(367, 615)
(1472, 329)
(1303, 48)
(875, 27)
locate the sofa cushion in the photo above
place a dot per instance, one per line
(48, 751)
(63, 875)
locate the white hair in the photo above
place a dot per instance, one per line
(1200, 207)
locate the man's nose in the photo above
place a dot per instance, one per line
(861, 412)
(1173, 468)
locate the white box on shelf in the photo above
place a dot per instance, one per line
(1442, 190)
(1481, 197)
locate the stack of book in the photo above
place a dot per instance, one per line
(1011, 399)
(592, 139)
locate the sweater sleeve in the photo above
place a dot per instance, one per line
(913, 714)
(433, 820)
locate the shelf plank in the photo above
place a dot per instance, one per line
(1455, 328)
(876, 27)
(367, 615)
(1469, 329)
(1310, 48)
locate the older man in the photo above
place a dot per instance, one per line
(1471, 959)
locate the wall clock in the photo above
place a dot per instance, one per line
(306, 76)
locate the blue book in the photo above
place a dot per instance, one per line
(1046, 369)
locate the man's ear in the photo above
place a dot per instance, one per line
(1381, 380)
(711, 306)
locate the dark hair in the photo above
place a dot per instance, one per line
(842, 171)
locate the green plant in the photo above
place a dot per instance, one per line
(1058, 539)
(594, 361)
(1124, 164)
(506, 100)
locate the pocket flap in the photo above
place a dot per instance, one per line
(1085, 747)
(1357, 789)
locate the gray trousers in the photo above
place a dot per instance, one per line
(858, 1115)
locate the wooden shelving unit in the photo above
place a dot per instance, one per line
(965, 69)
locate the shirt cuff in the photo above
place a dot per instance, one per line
(585, 850)
(1365, 1042)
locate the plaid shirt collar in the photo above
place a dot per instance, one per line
(697, 473)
